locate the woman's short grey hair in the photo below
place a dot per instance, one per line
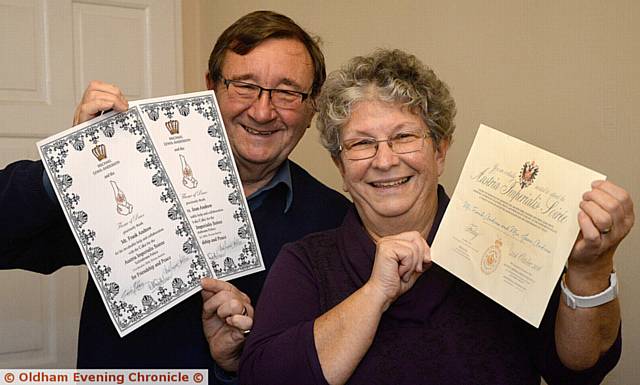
(391, 76)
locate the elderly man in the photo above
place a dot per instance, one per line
(266, 72)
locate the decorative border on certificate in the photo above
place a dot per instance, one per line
(248, 259)
(95, 139)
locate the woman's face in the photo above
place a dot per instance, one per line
(390, 185)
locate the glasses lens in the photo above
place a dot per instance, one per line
(360, 148)
(285, 99)
(244, 91)
(407, 142)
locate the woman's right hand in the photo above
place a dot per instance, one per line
(400, 259)
(99, 97)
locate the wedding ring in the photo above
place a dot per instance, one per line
(244, 310)
(606, 231)
(245, 332)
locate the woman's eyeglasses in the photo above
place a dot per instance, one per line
(400, 143)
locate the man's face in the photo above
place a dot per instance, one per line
(260, 134)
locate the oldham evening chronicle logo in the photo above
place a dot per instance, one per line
(528, 173)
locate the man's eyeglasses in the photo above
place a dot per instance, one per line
(365, 148)
(249, 93)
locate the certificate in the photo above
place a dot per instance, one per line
(154, 200)
(512, 221)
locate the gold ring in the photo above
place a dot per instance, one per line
(244, 310)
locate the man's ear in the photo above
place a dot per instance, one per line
(441, 154)
(208, 81)
(313, 102)
(310, 110)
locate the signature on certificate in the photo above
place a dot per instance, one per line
(473, 230)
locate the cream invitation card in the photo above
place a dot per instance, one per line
(512, 221)
(155, 202)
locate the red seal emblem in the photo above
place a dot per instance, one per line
(491, 258)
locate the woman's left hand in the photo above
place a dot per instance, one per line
(606, 217)
(583, 334)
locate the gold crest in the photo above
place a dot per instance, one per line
(100, 152)
(173, 126)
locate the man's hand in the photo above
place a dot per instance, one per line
(99, 97)
(227, 315)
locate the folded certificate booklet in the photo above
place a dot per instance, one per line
(154, 199)
(512, 222)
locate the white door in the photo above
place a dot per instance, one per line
(49, 51)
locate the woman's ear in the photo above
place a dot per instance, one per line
(441, 154)
(338, 162)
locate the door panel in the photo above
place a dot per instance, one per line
(49, 51)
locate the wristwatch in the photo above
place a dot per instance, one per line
(608, 295)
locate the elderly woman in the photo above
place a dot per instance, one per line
(362, 303)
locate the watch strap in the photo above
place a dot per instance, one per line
(575, 301)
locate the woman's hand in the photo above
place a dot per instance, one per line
(606, 217)
(584, 334)
(400, 260)
(344, 334)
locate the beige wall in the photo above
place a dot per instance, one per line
(563, 75)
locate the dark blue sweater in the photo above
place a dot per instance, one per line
(41, 241)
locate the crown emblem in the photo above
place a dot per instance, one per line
(100, 152)
(173, 126)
